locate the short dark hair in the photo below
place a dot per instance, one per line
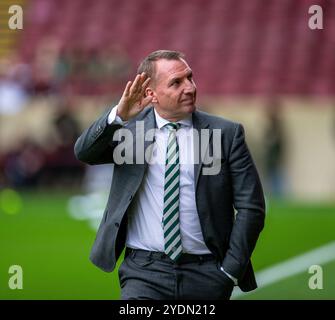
(148, 63)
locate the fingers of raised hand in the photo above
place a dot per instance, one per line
(127, 89)
(137, 86)
(134, 93)
(145, 85)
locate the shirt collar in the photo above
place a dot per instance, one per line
(161, 122)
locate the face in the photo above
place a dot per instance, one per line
(173, 89)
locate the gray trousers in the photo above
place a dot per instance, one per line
(146, 275)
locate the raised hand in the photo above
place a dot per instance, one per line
(133, 99)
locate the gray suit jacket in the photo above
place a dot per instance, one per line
(231, 238)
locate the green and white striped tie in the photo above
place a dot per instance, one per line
(171, 226)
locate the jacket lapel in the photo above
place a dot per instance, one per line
(140, 129)
(149, 126)
(198, 124)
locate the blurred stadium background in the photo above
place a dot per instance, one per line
(256, 62)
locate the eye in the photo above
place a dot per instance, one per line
(176, 82)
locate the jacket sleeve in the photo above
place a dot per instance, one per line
(248, 201)
(95, 145)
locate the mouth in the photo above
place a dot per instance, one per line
(188, 100)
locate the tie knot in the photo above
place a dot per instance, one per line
(173, 125)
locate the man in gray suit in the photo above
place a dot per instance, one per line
(189, 225)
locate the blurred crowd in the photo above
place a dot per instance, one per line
(32, 164)
(63, 70)
(79, 70)
(61, 73)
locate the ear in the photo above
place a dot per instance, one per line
(150, 92)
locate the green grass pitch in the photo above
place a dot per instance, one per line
(52, 248)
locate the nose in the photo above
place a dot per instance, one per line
(190, 87)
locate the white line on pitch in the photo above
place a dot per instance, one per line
(293, 266)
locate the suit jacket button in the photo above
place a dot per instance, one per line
(117, 224)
